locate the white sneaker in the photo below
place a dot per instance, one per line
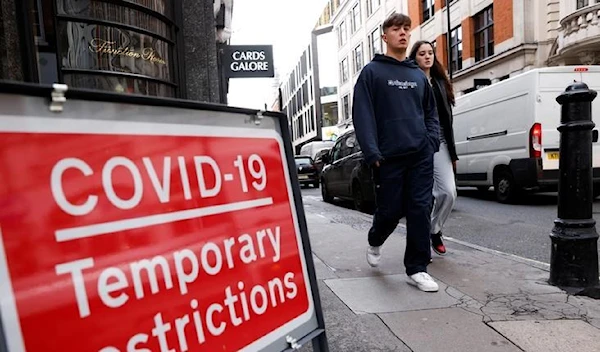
(424, 282)
(373, 255)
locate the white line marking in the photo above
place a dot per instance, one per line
(158, 219)
(228, 177)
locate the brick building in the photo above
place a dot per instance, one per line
(491, 40)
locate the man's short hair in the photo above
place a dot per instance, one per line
(396, 19)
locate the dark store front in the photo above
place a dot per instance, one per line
(123, 46)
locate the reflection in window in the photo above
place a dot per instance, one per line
(375, 42)
(428, 9)
(42, 21)
(484, 34)
(358, 58)
(344, 70)
(372, 5)
(356, 20)
(346, 107)
(582, 3)
(456, 47)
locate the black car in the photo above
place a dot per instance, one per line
(307, 171)
(319, 163)
(346, 174)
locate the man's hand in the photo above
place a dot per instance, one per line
(454, 166)
(377, 163)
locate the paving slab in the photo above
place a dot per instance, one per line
(344, 249)
(387, 293)
(322, 270)
(347, 331)
(446, 330)
(551, 335)
(523, 306)
(479, 274)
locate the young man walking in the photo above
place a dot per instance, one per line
(397, 127)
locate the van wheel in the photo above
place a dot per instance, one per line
(504, 186)
(325, 193)
(357, 196)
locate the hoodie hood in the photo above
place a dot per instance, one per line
(390, 60)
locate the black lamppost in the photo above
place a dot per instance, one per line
(574, 258)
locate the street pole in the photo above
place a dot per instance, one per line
(574, 258)
(448, 38)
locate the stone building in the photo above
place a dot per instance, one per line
(166, 48)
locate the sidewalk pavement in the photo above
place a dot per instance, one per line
(488, 301)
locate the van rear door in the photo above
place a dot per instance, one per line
(551, 85)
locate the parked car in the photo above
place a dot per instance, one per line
(307, 171)
(346, 174)
(319, 163)
(506, 134)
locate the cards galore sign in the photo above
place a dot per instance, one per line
(249, 61)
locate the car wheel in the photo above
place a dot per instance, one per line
(357, 196)
(325, 193)
(504, 186)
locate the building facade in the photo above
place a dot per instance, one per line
(299, 97)
(307, 100)
(357, 24)
(578, 40)
(164, 48)
(490, 40)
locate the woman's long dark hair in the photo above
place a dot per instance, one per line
(437, 70)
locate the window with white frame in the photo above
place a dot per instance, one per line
(428, 9)
(358, 58)
(344, 75)
(375, 42)
(342, 33)
(372, 5)
(346, 107)
(582, 3)
(355, 20)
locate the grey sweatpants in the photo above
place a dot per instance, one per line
(444, 188)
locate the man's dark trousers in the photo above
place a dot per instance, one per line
(403, 187)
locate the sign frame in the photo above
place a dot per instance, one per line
(34, 100)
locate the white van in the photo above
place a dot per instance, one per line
(312, 148)
(506, 134)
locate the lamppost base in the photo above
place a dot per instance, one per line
(591, 292)
(574, 257)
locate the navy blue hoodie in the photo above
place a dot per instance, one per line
(394, 111)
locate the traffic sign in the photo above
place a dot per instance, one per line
(142, 236)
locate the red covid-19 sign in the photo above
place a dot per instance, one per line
(139, 237)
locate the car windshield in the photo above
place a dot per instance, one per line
(303, 161)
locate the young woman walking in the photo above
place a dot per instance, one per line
(444, 161)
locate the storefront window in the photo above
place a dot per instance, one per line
(124, 47)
